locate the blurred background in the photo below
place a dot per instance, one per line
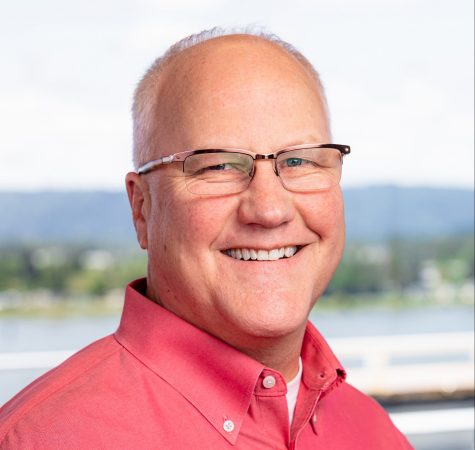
(399, 80)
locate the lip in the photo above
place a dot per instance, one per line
(266, 247)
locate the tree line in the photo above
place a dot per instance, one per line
(367, 268)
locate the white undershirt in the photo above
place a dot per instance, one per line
(292, 392)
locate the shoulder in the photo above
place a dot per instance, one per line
(46, 399)
(357, 400)
(363, 416)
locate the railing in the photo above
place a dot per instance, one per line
(33, 360)
(405, 365)
(382, 366)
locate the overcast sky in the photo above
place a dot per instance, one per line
(398, 75)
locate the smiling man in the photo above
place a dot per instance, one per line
(236, 199)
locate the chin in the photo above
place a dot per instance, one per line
(274, 321)
(260, 312)
(276, 330)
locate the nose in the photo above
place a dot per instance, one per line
(266, 203)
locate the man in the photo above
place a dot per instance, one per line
(236, 199)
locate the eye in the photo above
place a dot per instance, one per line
(224, 168)
(294, 162)
(214, 165)
(217, 167)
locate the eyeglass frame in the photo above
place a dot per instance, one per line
(181, 156)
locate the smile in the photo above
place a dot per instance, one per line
(262, 255)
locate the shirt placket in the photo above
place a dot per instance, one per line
(304, 414)
(270, 397)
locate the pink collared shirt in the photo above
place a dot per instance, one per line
(161, 383)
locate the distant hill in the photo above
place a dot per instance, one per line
(102, 218)
(95, 217)
(382, 212)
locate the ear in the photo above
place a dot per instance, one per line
(137, 190)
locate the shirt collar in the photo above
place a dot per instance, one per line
(326, 371)
(216, 378)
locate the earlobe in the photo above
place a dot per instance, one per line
(138, 199)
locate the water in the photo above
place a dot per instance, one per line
(30, 334)
(41, 334)
(347, 323)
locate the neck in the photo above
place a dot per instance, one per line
(280, 354)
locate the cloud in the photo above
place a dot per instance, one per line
(399, 76)
(52, 143)
(414, 138)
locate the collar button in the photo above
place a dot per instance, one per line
(268, 382)
(228, 426)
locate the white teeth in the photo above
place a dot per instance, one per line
(262, 255)
(290, 251)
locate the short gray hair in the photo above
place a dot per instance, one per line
(145, 95)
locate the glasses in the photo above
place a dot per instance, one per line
(301, 168)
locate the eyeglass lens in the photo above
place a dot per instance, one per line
(221, 173)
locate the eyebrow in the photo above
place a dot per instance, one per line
(309, 139)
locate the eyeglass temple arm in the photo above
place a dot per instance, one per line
(155, 163)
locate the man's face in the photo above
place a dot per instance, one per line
(238, 93)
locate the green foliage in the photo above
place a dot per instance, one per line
(366, 271)
(399, 265)
(69, 270)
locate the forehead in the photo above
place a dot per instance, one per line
(238, 59)
(232, 91)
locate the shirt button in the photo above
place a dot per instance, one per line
(268, 382)
(314, 418)
(228, 426)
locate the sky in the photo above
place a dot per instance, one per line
(399, 76)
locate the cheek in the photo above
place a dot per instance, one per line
(200, 218)
(323, 214)
(189, 220)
